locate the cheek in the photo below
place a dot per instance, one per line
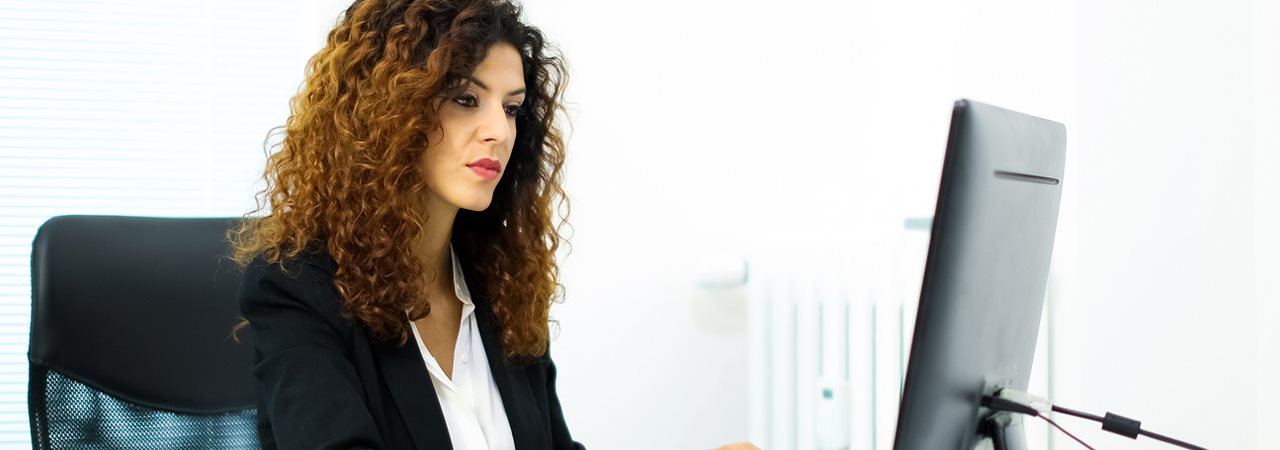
(439, 152)
(435, 162)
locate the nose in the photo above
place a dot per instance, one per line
(495, 126)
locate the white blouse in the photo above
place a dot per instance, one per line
(470, 401)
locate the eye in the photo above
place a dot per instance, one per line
(467, 101)
(514, 110)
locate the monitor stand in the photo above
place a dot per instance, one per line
(1002, 431)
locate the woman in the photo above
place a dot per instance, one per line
(399, 290)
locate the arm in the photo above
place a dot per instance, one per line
(308, 387)
(560, 438)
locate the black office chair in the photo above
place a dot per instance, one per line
(131, 343)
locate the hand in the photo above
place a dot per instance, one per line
(739, 446)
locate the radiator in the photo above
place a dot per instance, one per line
(828, 351)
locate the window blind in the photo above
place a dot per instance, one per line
(132, 107)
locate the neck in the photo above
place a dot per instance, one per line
(432, 245)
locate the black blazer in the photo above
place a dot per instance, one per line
(323, 383)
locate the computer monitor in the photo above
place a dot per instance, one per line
(984, 280)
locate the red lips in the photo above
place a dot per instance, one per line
(487, 163)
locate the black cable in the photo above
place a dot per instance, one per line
(1125, 426)
(1002, 404)
(1114, 423)
(1064, 430)
(1169, 440)
(1080, 414)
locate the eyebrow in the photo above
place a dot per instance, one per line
(483, 86)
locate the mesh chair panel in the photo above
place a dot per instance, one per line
(80, 417)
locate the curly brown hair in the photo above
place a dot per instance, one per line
(347, 176)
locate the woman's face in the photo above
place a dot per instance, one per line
(467, 155)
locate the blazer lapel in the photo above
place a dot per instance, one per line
(407, 378)
(415, 396)
(528, 429)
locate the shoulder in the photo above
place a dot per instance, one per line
(313, 261)
(304, 282)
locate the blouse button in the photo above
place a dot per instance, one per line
(466, 359)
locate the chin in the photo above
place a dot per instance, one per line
(468, 199)
(477, 205)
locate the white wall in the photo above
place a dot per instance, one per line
(1166, 308)
(1266, 109)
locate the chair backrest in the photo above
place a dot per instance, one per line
(131, 344)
